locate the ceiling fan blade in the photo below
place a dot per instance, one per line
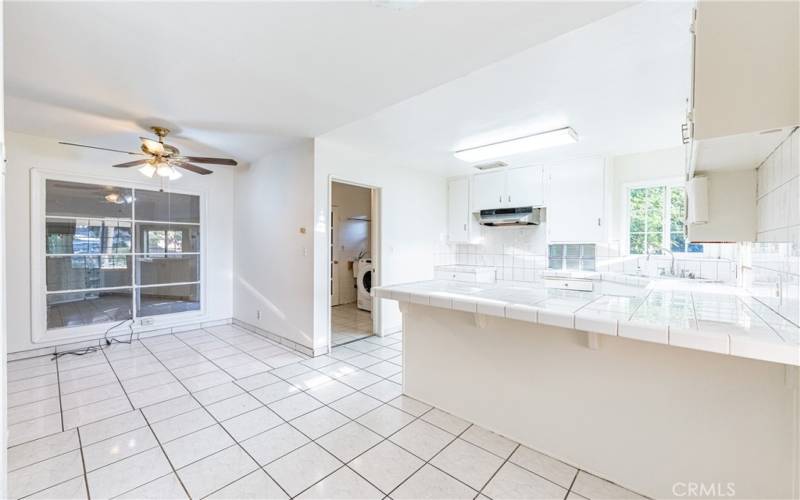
(151, 146)
(102, 149)
(130, 164)
(192, 168)
(215, 161)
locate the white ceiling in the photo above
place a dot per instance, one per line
(620, 82)
(243, 77)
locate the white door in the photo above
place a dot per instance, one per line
(576, 201)
(488, 190)
(525, 187)
(458, 212)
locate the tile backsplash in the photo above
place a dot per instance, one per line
(771, 266)
(521, 254)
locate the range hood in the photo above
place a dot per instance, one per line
(522, 216)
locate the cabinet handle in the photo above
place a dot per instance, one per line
(500, 199)
(685, 133)
(598, 221)
(465, 227)
(509, 198)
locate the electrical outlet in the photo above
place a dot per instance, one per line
(148, 321)
(258, 313)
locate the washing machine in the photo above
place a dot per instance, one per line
(364, 281)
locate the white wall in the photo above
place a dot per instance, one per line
(350, 202)
(26, 152)
(274, 267)
(412, 217)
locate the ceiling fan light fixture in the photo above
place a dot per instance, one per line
(164, 170)
(175, 175)
(148, 170)
(113, 198)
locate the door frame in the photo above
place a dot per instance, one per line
(376, 215)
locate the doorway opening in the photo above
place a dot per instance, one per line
(351, 261)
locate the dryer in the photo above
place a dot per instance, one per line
(364, 283)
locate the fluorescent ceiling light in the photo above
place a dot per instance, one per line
(520, 145)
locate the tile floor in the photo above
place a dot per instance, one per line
(349, 323)
(222, 413)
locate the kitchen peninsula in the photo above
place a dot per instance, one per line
(645, 382)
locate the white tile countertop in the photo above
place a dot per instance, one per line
(702, 316)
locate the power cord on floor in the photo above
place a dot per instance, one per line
(108, 341)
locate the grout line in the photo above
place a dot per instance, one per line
(572, 483)
(61, 409)
(83, 464)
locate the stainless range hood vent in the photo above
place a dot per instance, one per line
(521, 216)
(491, 165)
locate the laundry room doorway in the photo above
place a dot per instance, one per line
(352, 265)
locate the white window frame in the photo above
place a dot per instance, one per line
(39, 332)
(668, 182)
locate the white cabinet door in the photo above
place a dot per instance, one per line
(576, 201)
(458, 211)
(488, 190)
(524, 187)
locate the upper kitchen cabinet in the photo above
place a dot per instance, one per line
(462, 227)
(745, 90)
(576, 201)
(516, 187)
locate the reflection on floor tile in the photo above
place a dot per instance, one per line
(223, 413)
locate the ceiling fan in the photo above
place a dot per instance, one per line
(162, 159)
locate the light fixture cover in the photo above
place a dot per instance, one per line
(148, 170)
(175, 175)
(164, 170)
(510, 147)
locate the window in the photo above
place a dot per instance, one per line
(656, 215)
(114, 253)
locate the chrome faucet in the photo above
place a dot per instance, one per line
(672, 264)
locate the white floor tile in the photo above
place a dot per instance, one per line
(110, 427)
(32, 411)
(446, 421)
(431, 483)
(183, 424)
(32, 395)
(308, 380)
(44, 474)
(410, 405)
(545, 466)
(34, 429)
(206, 380)
(386, 465)
(422, 439)
(231, 407)
(318, 422)
(274, 443)
(349, 441)
(252, 423)
(274, 392)
(468, 463)
(256, 485)
(168, 409)
(330, 391)
(355, 405)
(116, 448)
(384, 369)
(303, 467)
(72, 489)
(593, 487)
(385, 420)
(489, 441)
(128, 474)
(42, 449)
(212, 473)
(192, 447)
(383, 390)
(257, 381)
(164, 488)
(95, 411)
(153, 395)
(344, 484)
(359, 379)
(514, 482)
(148, 381)
(218, 393)
(294, 406)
